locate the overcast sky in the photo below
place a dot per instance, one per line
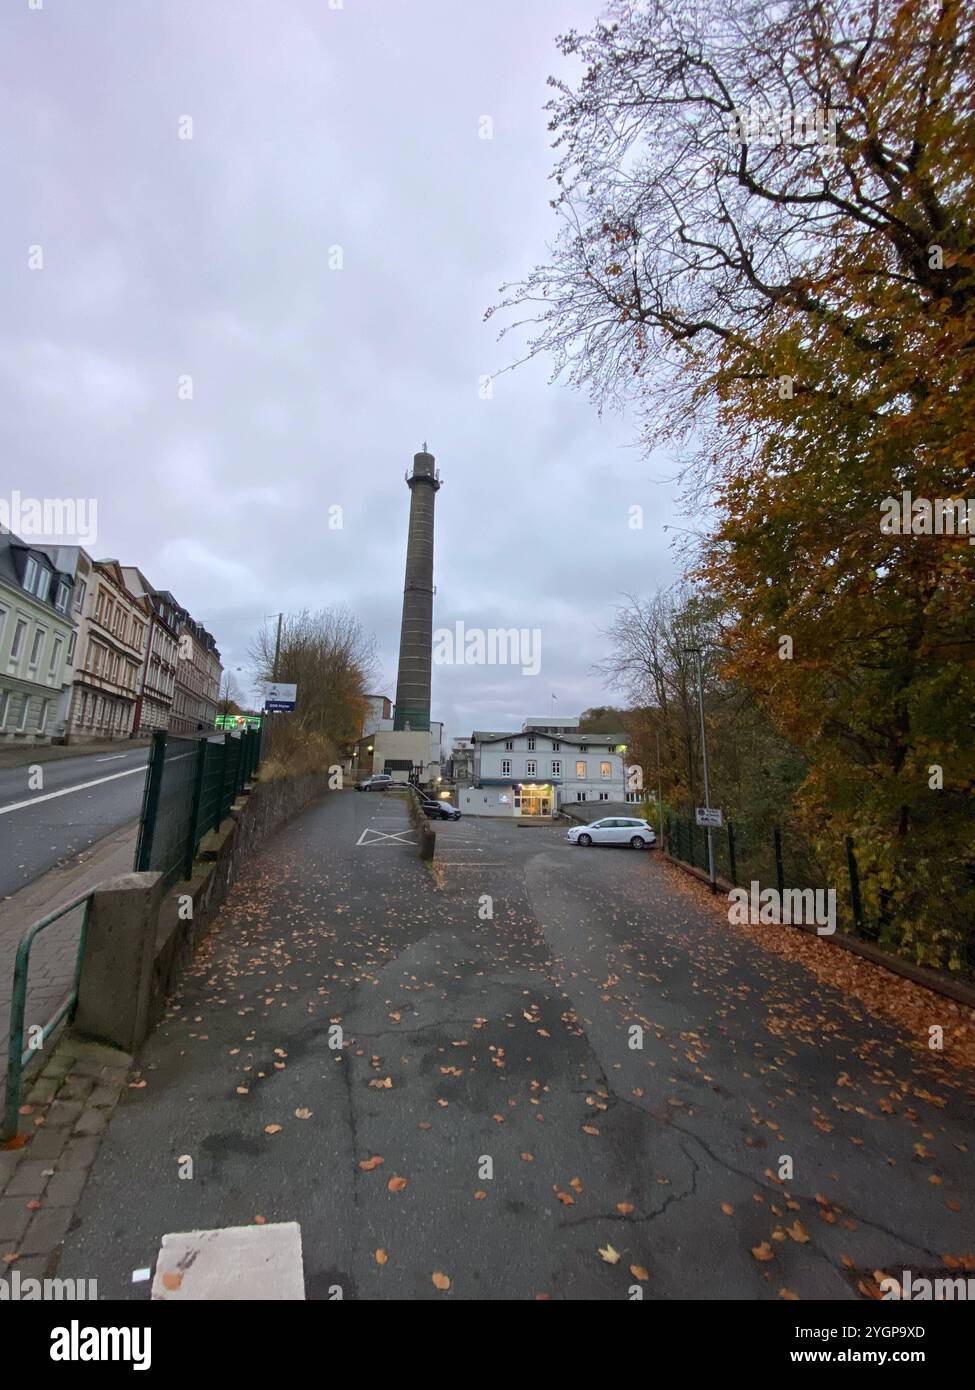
(312, 128)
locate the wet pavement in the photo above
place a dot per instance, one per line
(588, 1084)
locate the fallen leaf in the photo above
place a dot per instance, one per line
(440, 1281)
(763, 1251)
(589, 1129)
(640, 1273)
(727, 1208)
(272, 1129)
(367, 1164)
(396, 1184)
(381, 1257)
(611, 1256)
(624, 1207)
(302, 1113)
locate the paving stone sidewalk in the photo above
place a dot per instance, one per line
(67, 1109)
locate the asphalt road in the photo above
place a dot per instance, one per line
(80, 800)
(545, 1154)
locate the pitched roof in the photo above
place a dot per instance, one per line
(483, 736)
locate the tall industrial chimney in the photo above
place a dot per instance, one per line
(416, 633)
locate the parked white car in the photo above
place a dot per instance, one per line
(614, 830)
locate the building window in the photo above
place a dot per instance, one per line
(580, 796)
(556, 767)
(531, 745)
(605, 771)
(17, 646)
(3, 621)
(604, 796)
(509, 744)
(505, 767)
(24, 711)
(581, 770)
(45, 712)
(37, 648)
(530, 767)
(64, 595)
(583, 747)
(56, 648)
(81, 589)
(556, 746)
(4, 707)
(71, 646)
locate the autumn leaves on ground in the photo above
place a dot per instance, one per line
(602, 1090)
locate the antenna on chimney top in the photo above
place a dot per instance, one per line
(424, 446)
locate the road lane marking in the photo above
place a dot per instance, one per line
(381, 835)
(66, 791)
(112, 757)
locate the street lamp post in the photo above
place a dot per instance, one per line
(699, 652)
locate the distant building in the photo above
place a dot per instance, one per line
(533, 774)
(113, 627)
(154, 703)
(198, 673)
(378, 708)
(36, 629)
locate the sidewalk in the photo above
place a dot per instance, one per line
(52, 959)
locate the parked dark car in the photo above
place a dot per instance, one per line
(377, 783)
(440, 810)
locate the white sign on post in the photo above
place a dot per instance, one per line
(279, 697)
(709, 815)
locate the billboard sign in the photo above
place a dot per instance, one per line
(279, 697)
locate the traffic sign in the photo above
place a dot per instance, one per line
(709, 815)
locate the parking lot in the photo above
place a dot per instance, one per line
(584, 1082)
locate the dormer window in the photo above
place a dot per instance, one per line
(531, 745)
(509, 744)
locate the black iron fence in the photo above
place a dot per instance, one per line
(190, 787)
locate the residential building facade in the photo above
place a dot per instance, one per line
(533, 773)
(154, 704)
(36, 627)
(197, 683)
(113, 631)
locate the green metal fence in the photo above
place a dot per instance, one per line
(17, 1056)
(191, 785)
(746, 854)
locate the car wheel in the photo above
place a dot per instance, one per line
(584, 840)
(636, 842)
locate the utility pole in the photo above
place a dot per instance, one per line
(660, 795)
(704, 754)
(277, 649)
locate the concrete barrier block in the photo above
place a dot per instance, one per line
(116, 974)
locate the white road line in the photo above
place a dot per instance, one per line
(112, 757)
(380, 837)
(66, 791)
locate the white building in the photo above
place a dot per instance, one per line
(534, 773)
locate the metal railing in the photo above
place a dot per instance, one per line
(190, 787)
(18, 1056)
